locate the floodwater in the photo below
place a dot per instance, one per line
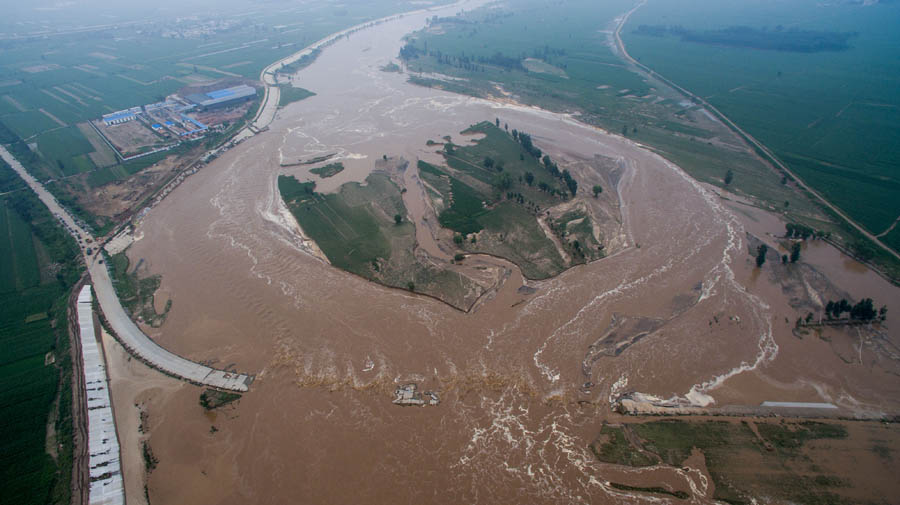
(677, 314)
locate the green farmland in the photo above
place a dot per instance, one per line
(38, 265)
(832, 116)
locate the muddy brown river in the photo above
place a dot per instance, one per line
(679, 314)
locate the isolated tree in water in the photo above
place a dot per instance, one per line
(795, 252)
(761, 254)
(729, 176)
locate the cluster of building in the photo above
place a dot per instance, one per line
(172, 120)
(177, 107)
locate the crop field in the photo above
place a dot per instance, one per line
(346, 226)
(20, 268)
(66, 149)
(831, 116)
(33, 324)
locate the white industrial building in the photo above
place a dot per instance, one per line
(107, 485)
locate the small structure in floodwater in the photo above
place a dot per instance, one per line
(408, 395)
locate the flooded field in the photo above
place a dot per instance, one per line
(678, 313)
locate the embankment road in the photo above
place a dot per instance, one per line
(125, 330)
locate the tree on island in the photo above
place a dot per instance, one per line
(761, 254)
(729, 176)
(570, 182)
(864, 310)
(795, 252)
(502, 181)
(597, 189)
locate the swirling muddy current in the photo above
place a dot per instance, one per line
(675, 313)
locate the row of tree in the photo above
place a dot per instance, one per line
(796, 230)
(864, 310)
(525, 140)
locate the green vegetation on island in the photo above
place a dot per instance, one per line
(135, 292)
(211, 399)
(497, 189)
(328, 170)
(358, 231)
(497, 194)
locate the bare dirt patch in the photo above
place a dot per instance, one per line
(542, 67)
(129, 138)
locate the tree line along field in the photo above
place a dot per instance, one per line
(38, 266)
(493, 48)
(832, 116)
(595, 83)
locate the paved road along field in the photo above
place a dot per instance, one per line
(128, 333)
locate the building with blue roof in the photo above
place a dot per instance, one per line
(223, 97)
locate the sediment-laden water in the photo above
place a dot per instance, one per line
(678, 313)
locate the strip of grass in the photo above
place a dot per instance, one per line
(290, 94)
